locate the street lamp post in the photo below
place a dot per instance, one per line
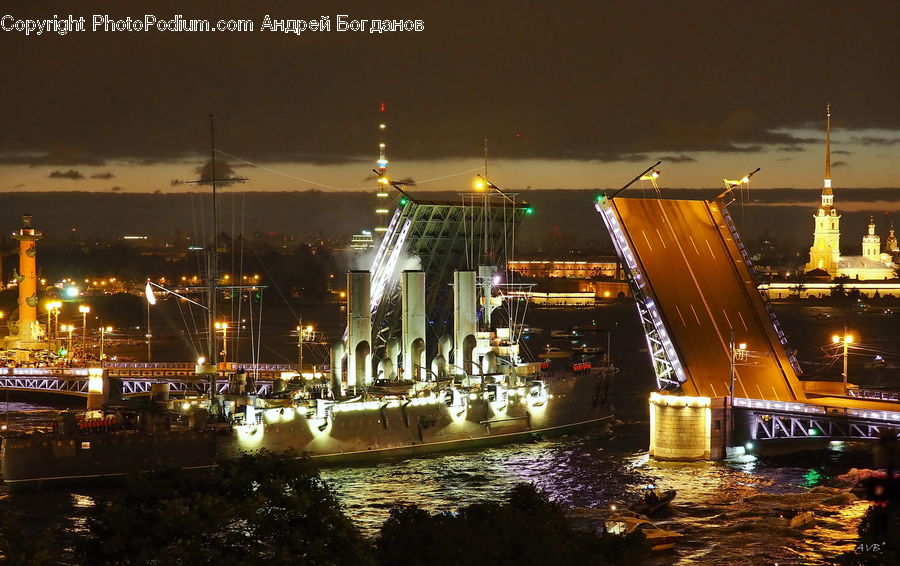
(302, 333)
(738, 351)
(149, 334)
(103, 331)
(84, 310)
(53, 313)
(69, 328)
(846, 339)
(223, 326)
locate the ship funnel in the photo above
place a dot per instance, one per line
(412, 286)
(465, 319)
(359, 328)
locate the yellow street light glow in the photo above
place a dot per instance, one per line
(848, 339)
(381, 126)
(742, 346)
(84, 309)
(745, 180)
(478, 184)
(201, 360)
(383, 181)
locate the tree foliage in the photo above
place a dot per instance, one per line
(526, 529)
(263, 508)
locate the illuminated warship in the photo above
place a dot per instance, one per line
(392, 391)
(488, 396)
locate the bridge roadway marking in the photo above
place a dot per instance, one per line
(719, 283)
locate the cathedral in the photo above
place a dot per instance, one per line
(825, 253)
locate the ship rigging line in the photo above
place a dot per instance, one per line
(274, 283)
(327, 186)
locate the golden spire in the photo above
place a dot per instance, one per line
(827, 149)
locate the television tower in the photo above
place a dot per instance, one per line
(381, 209)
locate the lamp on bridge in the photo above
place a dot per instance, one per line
(223, 326)
(846, 340)
(303, 333)
(652, 176)
(84, 310)
(53, 310)
(104, 330)
(69, 328)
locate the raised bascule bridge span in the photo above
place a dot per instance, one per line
(709, 328)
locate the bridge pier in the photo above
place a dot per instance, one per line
(688, 428)
(98, 388)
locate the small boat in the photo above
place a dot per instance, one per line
(659, 539)
(569, 334)
(652, 500)
(586, 350)
(551, 352)
(803, 520)
(391, 387)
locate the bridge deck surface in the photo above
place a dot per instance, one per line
(704, 290)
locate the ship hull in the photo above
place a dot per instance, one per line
(349, 433)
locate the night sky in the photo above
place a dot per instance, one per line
(569, 95)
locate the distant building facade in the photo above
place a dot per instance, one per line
(825, 252)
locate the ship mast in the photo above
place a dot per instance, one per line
(212, 271)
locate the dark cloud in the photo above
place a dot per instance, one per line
(841, 152)
(56, 157)
(70, 174)
(19, 186)
(839, 164)
(875, 140)
(677, 159)
(790, 148)
(224, 175)
(176, 182)
(106, 175)
(563, 83)
(115, 189)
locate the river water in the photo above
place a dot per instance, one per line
(727, 511)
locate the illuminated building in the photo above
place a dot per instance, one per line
(608, 267)
(890, 245)
(362, 241)
(826, 249)
(825, 253)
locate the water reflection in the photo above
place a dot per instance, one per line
(740, 507)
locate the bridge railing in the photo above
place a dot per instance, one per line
(874, 394)
(736, 237)
(777, 420)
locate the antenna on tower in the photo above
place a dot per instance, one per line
(381, 209)
(828, 146)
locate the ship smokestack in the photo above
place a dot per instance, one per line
(412, 286)
(359, 328)
(465, 319)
